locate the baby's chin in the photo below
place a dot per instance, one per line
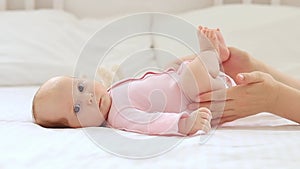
(97, 123)
(87, 121)
(104, 106)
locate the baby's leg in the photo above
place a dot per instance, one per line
(201, 74)
(208, 53)
(195, 78)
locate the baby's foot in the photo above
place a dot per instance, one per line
(224, 51)
(204, 42)
(217, 40)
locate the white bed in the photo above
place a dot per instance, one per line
(38, 44)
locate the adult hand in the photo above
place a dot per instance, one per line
(255, 92)
(240, 61)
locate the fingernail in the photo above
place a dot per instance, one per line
(241, 77)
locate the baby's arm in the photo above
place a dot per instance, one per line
(159, 123)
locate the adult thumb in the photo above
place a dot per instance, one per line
(248, 78)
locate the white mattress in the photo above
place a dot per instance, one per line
(260, 141)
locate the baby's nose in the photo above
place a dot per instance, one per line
(90, 98)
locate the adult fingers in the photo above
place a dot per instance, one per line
(205, 110)
(205, 114)
(222, 120)
(215, 122)
(216, 95)
(228, 119)
(236, 51)
(233, 92)
(215, 106)
(226, 112)
(248, 78)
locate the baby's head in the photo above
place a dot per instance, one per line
(70, 102)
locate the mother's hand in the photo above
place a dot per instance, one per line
(256, 92)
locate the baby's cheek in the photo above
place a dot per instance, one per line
(90, 117)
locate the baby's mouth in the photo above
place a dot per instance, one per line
(100, 101)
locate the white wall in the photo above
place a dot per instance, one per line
(108, 8)
(120, 7)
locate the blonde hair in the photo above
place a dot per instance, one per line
(108, 75)
(61, 123)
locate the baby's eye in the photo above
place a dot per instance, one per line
(76, 108)
(80, 87)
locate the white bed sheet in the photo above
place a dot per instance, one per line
(260, 141)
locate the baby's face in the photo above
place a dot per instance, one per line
(90, 99)
(83, 103)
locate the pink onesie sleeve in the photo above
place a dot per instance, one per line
(156, 123)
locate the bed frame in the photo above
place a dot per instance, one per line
(104, 8)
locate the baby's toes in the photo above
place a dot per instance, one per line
(212, 35)
(205, 113)
(206, 127)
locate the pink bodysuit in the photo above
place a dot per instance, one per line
(152, 104)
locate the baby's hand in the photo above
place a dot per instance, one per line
(198, 120)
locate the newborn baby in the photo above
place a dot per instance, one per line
(154, 104)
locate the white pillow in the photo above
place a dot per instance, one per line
(37, 45)
(117, 48)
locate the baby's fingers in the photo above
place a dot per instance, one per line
(204, 113)
(204, 125)
(206, 128)
(204, 117)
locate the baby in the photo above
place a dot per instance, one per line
(154, 104)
